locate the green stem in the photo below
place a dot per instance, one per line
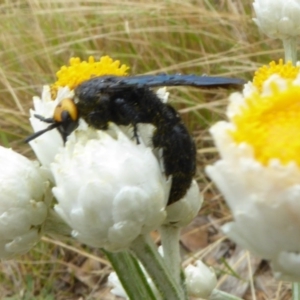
(219, 295)
(130, 275)
(296, 291)
(170, 243)
(145, 250)
(290, 50)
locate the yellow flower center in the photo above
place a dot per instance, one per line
(286, 71)
(271, 125)
(79, 71)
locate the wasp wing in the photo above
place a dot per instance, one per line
(139, 81)
(180, 80)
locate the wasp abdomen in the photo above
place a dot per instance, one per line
(179, 157)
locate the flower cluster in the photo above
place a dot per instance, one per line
(78, 71)
(109, 191)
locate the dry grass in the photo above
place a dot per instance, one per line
(215, 37)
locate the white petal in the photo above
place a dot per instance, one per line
(162, 94)
(287, 267)
(182, 212)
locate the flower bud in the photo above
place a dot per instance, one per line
(200, 280)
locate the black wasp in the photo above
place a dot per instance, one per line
(128, 100)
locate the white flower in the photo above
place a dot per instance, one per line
(278, 18)
(264, 202)
(46, 145)
(182, 212)
(24, 203)
(259, 174)
(108, 188)
(200, 280)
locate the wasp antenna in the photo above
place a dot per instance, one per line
(38, 133)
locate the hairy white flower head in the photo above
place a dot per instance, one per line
(108, 188)
(259, 173)
(24, 203)
(278, 18)
(46, 145)
(182, 212)
(200, 280)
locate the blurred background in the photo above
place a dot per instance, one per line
(213, 37)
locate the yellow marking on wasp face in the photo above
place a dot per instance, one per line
(68, 105)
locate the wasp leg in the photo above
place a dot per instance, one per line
(43, 119)
(128, 114)
(135, 134)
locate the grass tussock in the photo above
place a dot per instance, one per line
(214, 37)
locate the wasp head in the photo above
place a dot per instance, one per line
(65, 119)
